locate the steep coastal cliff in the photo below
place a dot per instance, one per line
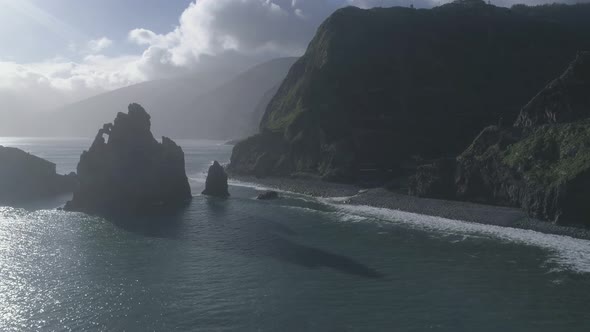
(381, 89)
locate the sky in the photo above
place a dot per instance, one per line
(60, 51)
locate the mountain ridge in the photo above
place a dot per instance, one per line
(182, 105)
(380, 88)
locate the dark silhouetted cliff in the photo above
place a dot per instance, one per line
(25, 177)
(130, 172)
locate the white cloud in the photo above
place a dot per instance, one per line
(52, 83)
(207, 28)
(262, 28)
(98, 45)
(259, 28)
(143, 37)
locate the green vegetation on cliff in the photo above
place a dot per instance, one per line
(382, 86)
(542, 164)
(552, 153)
(544, 170)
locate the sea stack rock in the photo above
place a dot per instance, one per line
(131, 171)
(24, 177)
(216, 184)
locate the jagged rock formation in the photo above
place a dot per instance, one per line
(543, 169)
(24, 176)
(216, 183)
(131, 172)
(565, 99)
(378, 87)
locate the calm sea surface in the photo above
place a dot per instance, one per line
(295, 264)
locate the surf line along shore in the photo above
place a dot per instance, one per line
(344, 194)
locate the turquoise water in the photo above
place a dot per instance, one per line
(295, 264)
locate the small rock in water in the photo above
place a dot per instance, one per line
(216, 184)
(268, 195)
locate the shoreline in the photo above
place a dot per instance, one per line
(382, 198)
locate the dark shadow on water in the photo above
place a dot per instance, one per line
(217, 206)
(313, 258)
(273, 226)
(159, 223)
(267, 238)
(258, 237)
(239, 235)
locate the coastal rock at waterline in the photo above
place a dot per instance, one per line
(543, 169)
(268, 195)
(24, 176)
(546, 172)
(132, 171)
(216, 184)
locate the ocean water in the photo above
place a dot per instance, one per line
(294, 264)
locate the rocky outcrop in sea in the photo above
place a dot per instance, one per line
(216, 183)
(25, 177)
(130, 171)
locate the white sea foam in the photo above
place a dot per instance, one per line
(566, 251)
(335, 215)
(202, 178)
(197, 179)
(260, 187)
(348, 217)
(335, 199)
(256, 186)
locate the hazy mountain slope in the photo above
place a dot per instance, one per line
(158, 97)
(227, 111)
(262, 105)
(207, 105)
(380, 87)
(7, 117)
